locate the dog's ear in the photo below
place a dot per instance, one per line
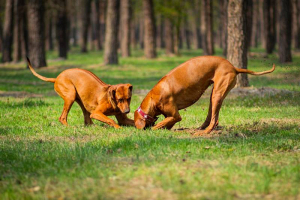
(130, 87)
(112, 92)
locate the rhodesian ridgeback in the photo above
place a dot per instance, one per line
(183, 86)
(96, 99)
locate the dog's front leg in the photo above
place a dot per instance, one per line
(167, 123)
(103, 118)
(124, 120)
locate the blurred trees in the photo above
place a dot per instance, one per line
(171, 25)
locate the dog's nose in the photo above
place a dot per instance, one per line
(126, 111)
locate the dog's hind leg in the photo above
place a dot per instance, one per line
(208, 118)
(86, 114)
(68, 94)
(220, 91)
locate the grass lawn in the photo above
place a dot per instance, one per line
(256, 154)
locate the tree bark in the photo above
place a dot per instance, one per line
(96, 24)
(187, 33)
(169, 37)
(195, 25)
(207, 28)
(85, 7)
(8, 31)
(25, 42)
(269, 25)
(149, 29)
(111, 34)
(141, 32)
(160, 33)
(224, 22)
(249, 19)
(285, 34)
(237, 49)
(255, 25)
(49, 29)
(18, 15)
(262, 25)
(125, 30)
(296, 23)
(36, 35)
(62, 32)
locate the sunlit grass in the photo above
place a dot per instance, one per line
(256, 156)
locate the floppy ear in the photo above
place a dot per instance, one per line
(112, 92)
(130, 87)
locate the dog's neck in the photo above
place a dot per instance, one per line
(148, 107)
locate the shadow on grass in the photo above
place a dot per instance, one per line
(24, 104)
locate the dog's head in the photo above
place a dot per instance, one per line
(142, 120)
(121, 96)
(139, 121)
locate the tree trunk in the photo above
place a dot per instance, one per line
(237, 49)
(62, 32)
(249, 19)
(36, 35)
(96, 24)
(50, 45)
(207, 28)
(195, 25)
(224, 22)
(296, 23)
(269, 25)
(8, 31)
(160, 33)
(18, 15)
(25, 42)
(141, 33)
(262, 25)
(255, 24)
(85, 7)
(169, 37)
(285, 34)
(74, 31)
(103, 5)
(187, 33)
(149, 29)
(125, 30)
(111, 34)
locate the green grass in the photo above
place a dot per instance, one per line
(257, 154)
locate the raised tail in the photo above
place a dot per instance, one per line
(239, 70)
(52, 80)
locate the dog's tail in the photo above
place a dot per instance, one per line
(239, 70)
(52, 80)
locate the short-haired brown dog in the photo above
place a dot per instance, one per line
(96, 99)
(183, 86)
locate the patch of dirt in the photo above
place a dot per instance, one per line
(18, 94)
(217, 132)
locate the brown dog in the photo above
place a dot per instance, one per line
(96, 99)
(183, 86)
